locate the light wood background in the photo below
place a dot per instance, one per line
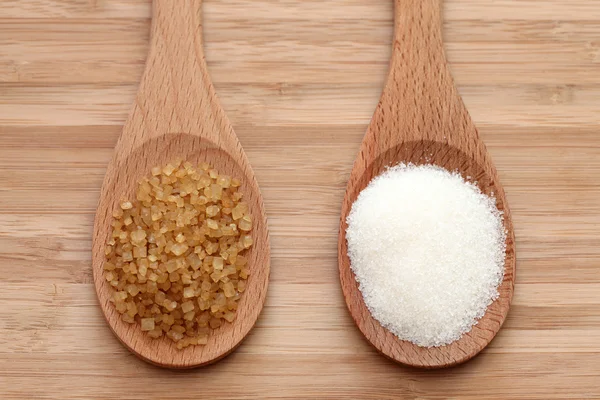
(300, 80)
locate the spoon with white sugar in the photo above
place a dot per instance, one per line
(421, 119)
(177, 115)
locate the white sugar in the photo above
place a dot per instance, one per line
(428, 251)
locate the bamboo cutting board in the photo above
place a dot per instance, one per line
(299, 81)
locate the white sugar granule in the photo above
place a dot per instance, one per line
(428, 251)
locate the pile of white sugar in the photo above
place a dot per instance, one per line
(428, 251)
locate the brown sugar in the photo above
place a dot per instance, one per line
(176, 259)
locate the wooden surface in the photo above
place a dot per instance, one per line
(176, 114)
(421, 119)
(300, 81)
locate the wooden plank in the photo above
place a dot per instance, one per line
(299, 80)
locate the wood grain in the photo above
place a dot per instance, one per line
(176, 114)
(300, 81)
(421, 119)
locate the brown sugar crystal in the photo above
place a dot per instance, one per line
(176, 259)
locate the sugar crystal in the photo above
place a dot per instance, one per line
(428, 250)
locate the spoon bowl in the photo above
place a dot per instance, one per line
(421, 119)
(452, 159)
(177, 115)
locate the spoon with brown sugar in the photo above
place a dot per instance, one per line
(177, 115)
(421, 119)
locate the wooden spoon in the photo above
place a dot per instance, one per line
(421, 119)
(177, 114)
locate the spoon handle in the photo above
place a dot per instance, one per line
(418, 43)
(176, 94)
(419, 100)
